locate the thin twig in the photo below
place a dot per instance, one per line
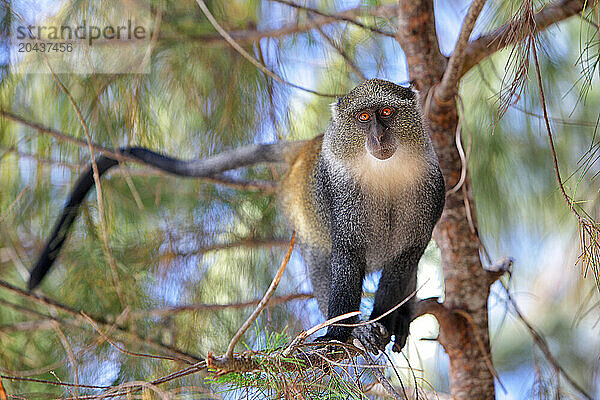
(105, 337)
(245, 36)
(265, 300)
(382, 379)
(101, 321)
(247, 55)
(388, 312)
(249, 243)
(214, 307)
(543, 345)
(587, 229)
(217, 178)
(341, 52)
(69, 350)
(299, 339)
(340, 17)
(47, 382)
(8, 210)
(448, 86)
(490, 43)
(549, 132)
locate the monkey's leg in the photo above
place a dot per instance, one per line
(398, 281)
(345, 289)
(318, 262)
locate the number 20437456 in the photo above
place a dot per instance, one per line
(45, 47)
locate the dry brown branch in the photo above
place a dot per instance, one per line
(104, 337)
(33, 325)
(265, 186)
(59, 135)
(54, 383)
(498, 39)
(448, 87)
(45, 324)
(299, 339)
(41, 160)
(264, 301)
(388, 312)
(249, 243)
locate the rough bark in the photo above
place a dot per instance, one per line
(463, 317)
(465, 282)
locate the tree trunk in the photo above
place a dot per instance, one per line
(463, 334)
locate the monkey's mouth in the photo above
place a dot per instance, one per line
(382, 153)
(381, 150)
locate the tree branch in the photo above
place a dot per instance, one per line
(40, 299)
(274, 301)
(249, 243)
(264, 301)
(417, 37)
(236, 46)
(338, 17)
(490, 43)
(319, 19)
(209, 169)
(543, 345)
(448, 87)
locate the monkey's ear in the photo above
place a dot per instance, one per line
(334, 108)
(413, 86)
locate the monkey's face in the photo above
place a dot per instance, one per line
(377, 120)
(375, 123)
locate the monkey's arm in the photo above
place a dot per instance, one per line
(348, 265)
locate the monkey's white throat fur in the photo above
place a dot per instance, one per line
(395, 173)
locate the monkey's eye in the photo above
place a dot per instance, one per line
(386, 112)
(363, 116)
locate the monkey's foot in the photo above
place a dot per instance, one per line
(401, 333)
(373, 336)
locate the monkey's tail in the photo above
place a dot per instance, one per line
(275, 152)
(64, 223)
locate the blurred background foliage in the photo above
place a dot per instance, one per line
(201, 97)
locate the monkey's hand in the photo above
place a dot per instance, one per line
(373, 336)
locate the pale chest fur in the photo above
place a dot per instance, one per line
(387, 196)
